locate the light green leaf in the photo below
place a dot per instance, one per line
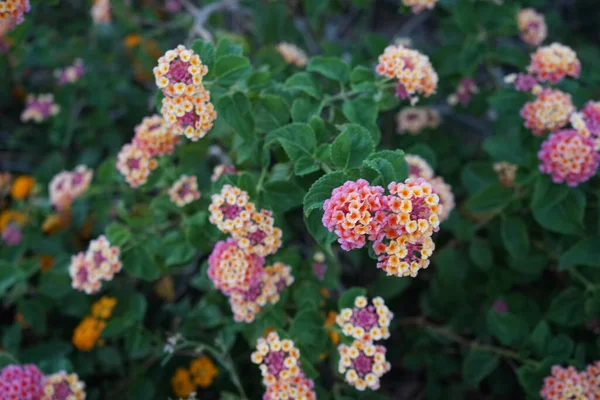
(304, 82)
(351, 147)
(330, 67)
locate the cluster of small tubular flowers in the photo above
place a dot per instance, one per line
(506, 172)
(70, 74)
(186, 105)
(21, 382)
(587, 122)
(39, 108)
(279, 363)
(550, 111)
(260, 235)
(135, 164)
(363, 364)
(414, 120)
(292, 54)
(99, 263)
(366, 322)
(413, 217)
(233, 270)
(418, 167)
(184, 190)
(418, 6)
(569, 157)
(444, 191)
(100, 12)
(465, 91)
(220, 170)
(245, 305)
(192, 116)
(87, 333)
(568, 383)
(231, 209)
(355, 212)
(66, 186)
(554, 62)
(532, 26)
(523, 82)
(203, 371)
(14, 11)
(63, 386)
(413, 70)
(155, 136)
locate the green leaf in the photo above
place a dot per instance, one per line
(490, 198)
(271, 112)
(509, 329)
(547, 193)
(206, 51)
(137, 262)
(564, 217)
(230, 69)
(330, 67)
(284, 195)
(34, 313)
(585, 252)
(315, 227)
(480, 252)
(539, 338)
(304, 109)
(226, 47)
(236, 111)
(9, 275)
(515, 237)
(477, 365)
(396, 158)
(505, 148)
(363, 79)
(363, 111)
(351, 147)
(118, 234)
(567, 308)
(158, 100)
(304, 82)
(384, 169)
(347, 298)
(321, 190)
(388, 287)
(560, 348)
(307, 328)
(305, 165)
(55, 284)
(298, 140)
(532, 377)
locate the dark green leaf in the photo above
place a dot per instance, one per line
(351, 147)
(330, 67)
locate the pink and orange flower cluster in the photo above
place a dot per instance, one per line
(99, 263)
(186, 105)
(28, 383)
(568, 383)
(399, 225)
(236, 265)
(66, 186)
(279, 363)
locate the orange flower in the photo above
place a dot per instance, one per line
(203, 371)
(182, 384)
(103, 308)
(329, 324)
(56, 222)
(8, 216)
(132, 40)
(87, 333)
(22, 187)
(46, 262)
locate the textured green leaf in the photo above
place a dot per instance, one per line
(514, 236)
(477, 365)
(304, 82)
(321, 190)
(351, 147)
(585, 252)
(330, 67)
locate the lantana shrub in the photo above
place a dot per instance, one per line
(278, 200)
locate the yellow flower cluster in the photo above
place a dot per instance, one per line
(88, 331)
(201, 373)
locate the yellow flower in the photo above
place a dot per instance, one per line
(182, 384)
(203, 371)
(86, 334)
(132, 40)
(165, 289)
(103, 308)
(56, 222)
(8, 216)
(46, 262)
(22, 187)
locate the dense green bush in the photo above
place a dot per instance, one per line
(121, 262)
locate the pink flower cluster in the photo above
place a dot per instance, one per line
(184, 190)
(417, 6)
(464, 92)
(70, 74)
(279, 363)
(99, 263)
(363, 364)
(66, 186)
(39, 108)
(587, 122)
(220, 170)
(135, 164)
(419, 168)
(554, 62)
(155, 136)
(64, 386)
(532, 26)
(21, 383)
(236, 265)
(568, 156)
(13, 11)
(186, 105)
(366, 322)
(400, 225)
(414, 120)
(413, 70)
(568, 383)
(550, 111)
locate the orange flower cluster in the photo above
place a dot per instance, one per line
(413, 70)
(554, 62)
(155, 136)
(201, 373)
(88, 331)
(550, 111)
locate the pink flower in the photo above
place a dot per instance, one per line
(278, 360)
(100, 262)
(12, 235)
(297, 387)
(66, 186)
(135, 164)
(525, 82)
(532, 26)
(464, 92)
(70, 74)
(155, 136)
(233, 270)
(260, 235)
(366, 322)
(14, 10)
(363, 364)
(569, 157)
(63, 386)
(554, 62)
(184, 190)
(564, 383)
(180, 71)
(549, 112)
(354, 212)
(444, 191)
(21, 383)
(191, 116)
(39, 108)
(500, 306)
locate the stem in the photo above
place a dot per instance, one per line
(261, 179)
(326, 168)
(581, 278)
(447, 333)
